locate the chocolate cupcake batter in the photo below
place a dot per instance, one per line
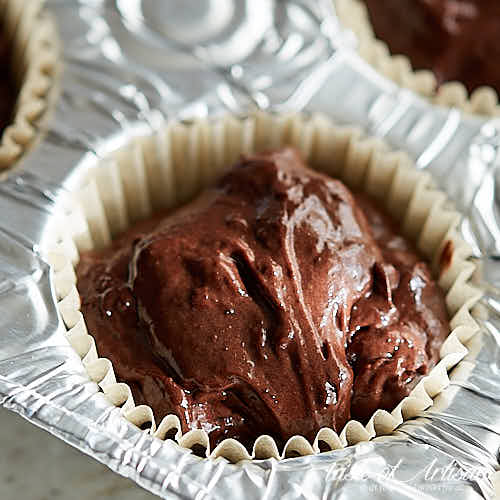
(8, 94)
(275, 303)
(456, 39)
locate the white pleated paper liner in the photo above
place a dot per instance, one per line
(353, 15)
(167, 168)
(35, 49)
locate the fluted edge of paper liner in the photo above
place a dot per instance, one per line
(170, 166)
(353, 15)
(35, 56)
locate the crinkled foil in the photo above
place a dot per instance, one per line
(131, 64)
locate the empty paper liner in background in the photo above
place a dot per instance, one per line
(167, 168)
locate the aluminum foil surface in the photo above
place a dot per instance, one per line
(128, 66)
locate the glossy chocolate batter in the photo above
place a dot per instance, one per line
(8, 93)
(456, 39)
(275, 303)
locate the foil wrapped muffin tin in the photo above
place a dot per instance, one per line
(127, 69)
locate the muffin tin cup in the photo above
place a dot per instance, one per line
(353, 15)
(34, 55)
(169, 167)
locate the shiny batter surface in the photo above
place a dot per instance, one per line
(456, 39)
(275, 303)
